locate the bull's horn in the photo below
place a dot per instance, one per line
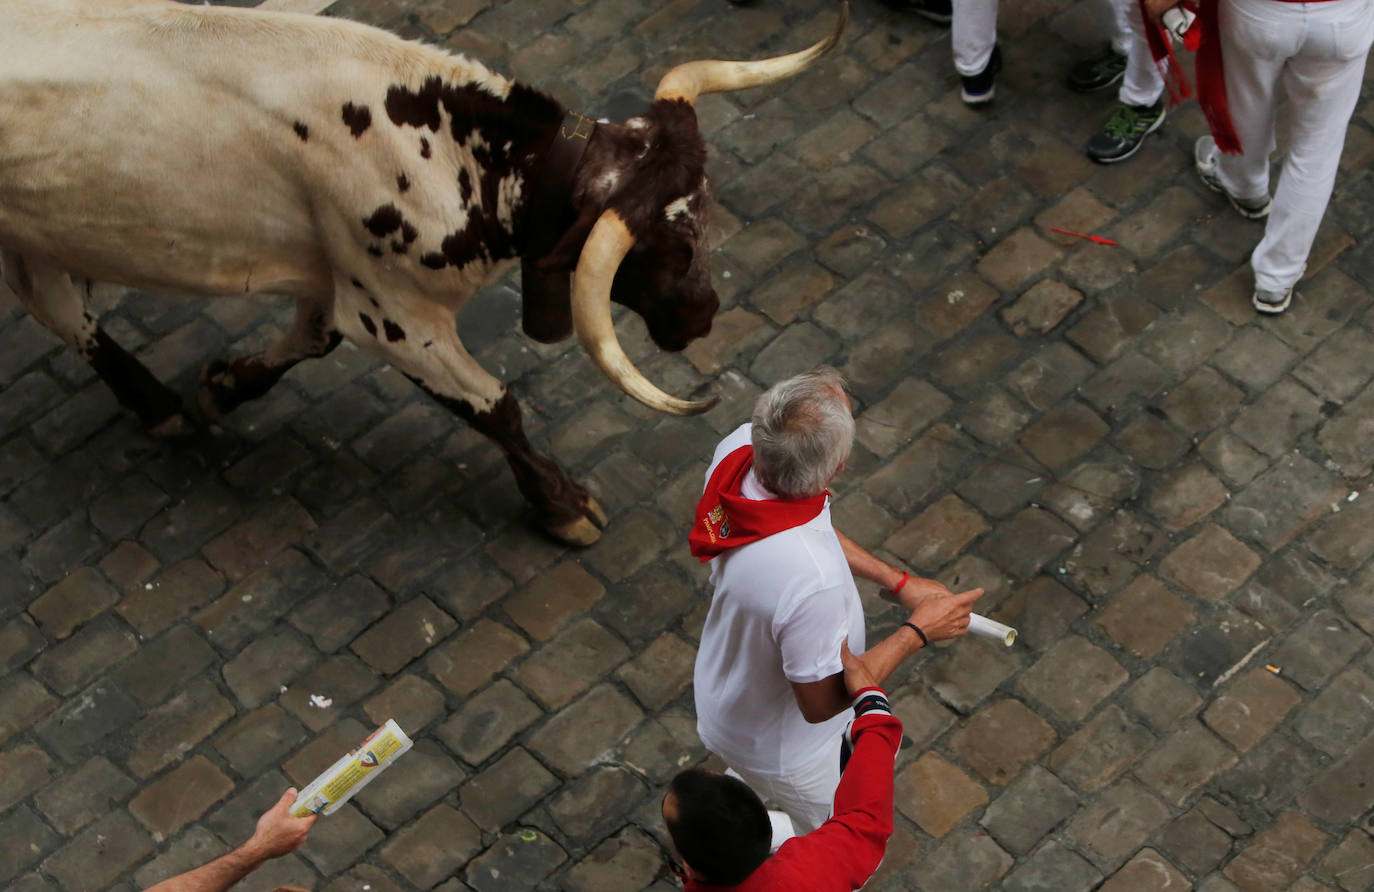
(607, 244)
(690, 80)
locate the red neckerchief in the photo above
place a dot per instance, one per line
(725, 519)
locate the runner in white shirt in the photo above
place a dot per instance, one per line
(769, 688)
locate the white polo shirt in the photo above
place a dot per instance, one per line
(782, 607)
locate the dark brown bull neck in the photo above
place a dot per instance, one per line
(546, 216)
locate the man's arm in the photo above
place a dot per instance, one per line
(941, 615)
(277, 833)
(863, 564)
(845, 851)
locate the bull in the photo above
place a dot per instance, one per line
(214, 151)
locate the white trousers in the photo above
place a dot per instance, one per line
(973, 32)
(1143, 83)
(1318, 52)
(807, 796)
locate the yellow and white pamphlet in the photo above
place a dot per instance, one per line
(353, 771)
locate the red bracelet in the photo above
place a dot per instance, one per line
(901, 582)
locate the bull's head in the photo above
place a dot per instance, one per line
(647, 249)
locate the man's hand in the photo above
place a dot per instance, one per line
(1156, 8)
(856, 672)
(943, 616)
(278, 832)
(916, 590)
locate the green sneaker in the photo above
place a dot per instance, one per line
(1124, 131)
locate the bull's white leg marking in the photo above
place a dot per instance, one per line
(429, 350)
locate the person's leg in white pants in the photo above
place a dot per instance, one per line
(1143, 83)
(807, 796)
(1255, 46)
(1322, 80)
(973, 33)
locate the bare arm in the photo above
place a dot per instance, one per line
(865, 566)
(277, 833)
(941, 615)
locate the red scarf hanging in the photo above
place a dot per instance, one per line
(1204, 39)
(725, 519)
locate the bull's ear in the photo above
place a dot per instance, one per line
(563, 256)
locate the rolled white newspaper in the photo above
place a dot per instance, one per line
(354, 770)
(986, 628)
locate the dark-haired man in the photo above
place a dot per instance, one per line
(721, 830)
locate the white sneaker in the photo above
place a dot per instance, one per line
(1272, 301)
(1208, 170)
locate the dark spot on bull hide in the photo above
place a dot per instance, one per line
(301, 130)
(393, 331)
(357, 284)
(469, 107)
(384, 221)
(372, 300)
(399, 247)
(434, 260)
(408, 232)
(374, 250)
(464, 185)
(466, 244)
(402, 182)
(368, 324)
(420, 108)
(424, 148)
(428, 344)
(357, 117)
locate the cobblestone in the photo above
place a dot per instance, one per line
(502, 792)
(1031, 806)
(937, 795)
(1277, 854)
(179, 796)
(999, 739)
(1194, 842)
(1146, 872)
(432, 848)
(1116, 822)
(1095, 674)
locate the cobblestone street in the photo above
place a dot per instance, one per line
(1167, 494)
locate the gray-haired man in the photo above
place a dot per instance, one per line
(769, 684)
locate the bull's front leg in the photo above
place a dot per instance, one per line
(566, 510)
(420, 340)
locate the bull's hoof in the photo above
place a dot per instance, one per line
(216, 389)
(580, 531)
(174, 425)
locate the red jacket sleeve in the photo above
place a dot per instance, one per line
(844, 852)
